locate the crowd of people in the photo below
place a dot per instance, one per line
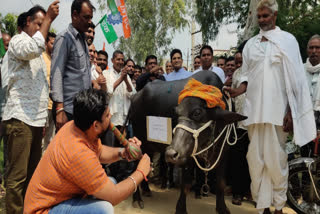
(58, 96)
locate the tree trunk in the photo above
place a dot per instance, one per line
(252, 21)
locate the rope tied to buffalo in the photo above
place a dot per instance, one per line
(213, 97)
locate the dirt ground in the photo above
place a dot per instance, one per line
(164, 202)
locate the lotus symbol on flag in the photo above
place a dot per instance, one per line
(115, 19)
(115, 23)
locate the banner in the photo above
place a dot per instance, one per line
(115, 23)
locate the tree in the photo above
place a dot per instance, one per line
(299, 17)
(153, 24)
(211, 14)
(8, 24)
(251, 22)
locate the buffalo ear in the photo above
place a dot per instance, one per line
(224, 116)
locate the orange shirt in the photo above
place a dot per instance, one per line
(69, 168)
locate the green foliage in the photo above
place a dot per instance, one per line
(52, 30)
(8, 24)
(299, 17)
(153, 24)
(211, 14)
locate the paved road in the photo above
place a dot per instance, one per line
(164, 202)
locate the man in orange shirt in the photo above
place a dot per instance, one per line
(71, 166)
(50, 126)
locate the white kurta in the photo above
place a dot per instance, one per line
(275, 76)
(120, 98)
(266, 100)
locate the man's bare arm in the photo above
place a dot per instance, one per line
(52, 13)
(115, 193)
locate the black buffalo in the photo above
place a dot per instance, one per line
(160, 98)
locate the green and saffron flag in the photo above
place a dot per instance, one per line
(2, 49)
(115, 23)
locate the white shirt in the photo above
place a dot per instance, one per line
(216, 70)
(28, 89)
(238, 101)
(119, 103)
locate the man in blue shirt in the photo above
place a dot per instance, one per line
(178, 72)
(70, 67)
(206, 59)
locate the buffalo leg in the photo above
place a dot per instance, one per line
(181, 207)
(221, 205)
(137, 200)
(145, 189)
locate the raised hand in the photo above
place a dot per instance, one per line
(124, 72)
(53, 11)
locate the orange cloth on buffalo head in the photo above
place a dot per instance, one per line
(212, 95)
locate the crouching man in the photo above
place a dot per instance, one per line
(71, 166)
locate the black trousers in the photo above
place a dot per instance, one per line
(238, 164)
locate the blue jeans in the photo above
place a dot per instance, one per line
(83, 206)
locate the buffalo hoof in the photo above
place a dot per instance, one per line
(138, 204)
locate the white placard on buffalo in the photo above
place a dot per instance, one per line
(159, 129)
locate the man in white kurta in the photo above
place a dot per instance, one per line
(277, 97)
(312, 68)
(119, 88)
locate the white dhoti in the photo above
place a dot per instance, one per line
(268, 165)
